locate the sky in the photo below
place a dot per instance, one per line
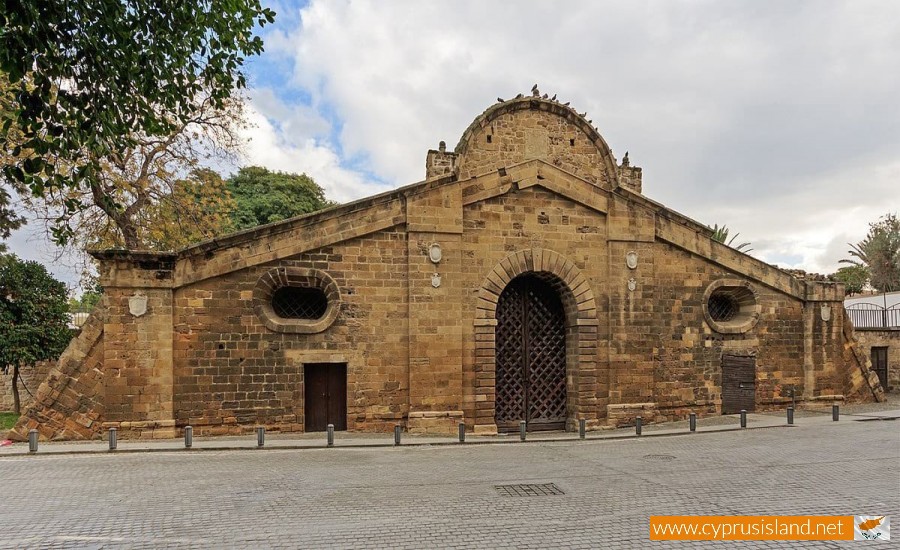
(779, 119)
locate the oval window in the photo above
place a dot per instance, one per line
(722, 306)
(298, 302)
(730, 306)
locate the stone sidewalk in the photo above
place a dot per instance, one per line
(454, 496)
(716, 424)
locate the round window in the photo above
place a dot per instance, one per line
(730, 306)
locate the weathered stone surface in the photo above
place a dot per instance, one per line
(889, 338)
(70, 402)
(29, 381)
(543, 195)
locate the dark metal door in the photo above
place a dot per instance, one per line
(325, 396)
(531, 356)
(738, 384)
(879, 365)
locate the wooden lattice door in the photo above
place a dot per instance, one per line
(531, 356)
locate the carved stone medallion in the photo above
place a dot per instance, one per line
(137, 305)
(631, 259)
(435, 254)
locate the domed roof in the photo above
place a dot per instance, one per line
(595, 161)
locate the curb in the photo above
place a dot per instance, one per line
(623, 437)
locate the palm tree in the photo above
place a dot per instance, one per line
(720, 235)
(879, 253)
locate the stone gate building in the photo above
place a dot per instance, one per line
(526, 278)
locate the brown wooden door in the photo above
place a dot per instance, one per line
(325, 396)
(531, 356)
(880, 364)
(738, 384)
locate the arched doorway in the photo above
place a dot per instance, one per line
(530, 356)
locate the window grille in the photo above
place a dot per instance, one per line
(722, 306)
(294, 302)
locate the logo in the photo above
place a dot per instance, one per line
(871, 528)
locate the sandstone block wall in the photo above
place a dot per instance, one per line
(869, 338)
(413, 279)
(232, 373)
(29, 381)
(70, 402)
(523, 220)
(440, 162)
(535, 130)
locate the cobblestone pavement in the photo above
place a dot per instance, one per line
(425, 497)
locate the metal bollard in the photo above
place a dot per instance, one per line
(113, 439)
(260, 436)
(638, 424)
(522, 426)
(462, 432)
(188, 437)
(581, 427)
(32, 441)
(743, 418)
(790, 415)
(693, 421)
(397, 435)
(835, 412)
(329, 435)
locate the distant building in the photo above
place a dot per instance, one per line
(876, 318)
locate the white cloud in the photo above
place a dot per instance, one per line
(31, 242)
(778, 119)
(282, 137)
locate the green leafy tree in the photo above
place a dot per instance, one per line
(33, 318)
(10, 219)
(854, 277)
(720, 234)
(88, 79)
(88, 299)
(879, 253)
(263, 196)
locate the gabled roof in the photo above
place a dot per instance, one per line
(365, 216)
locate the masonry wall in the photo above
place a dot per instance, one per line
(523, 220)
(535, 188)
(29, 380)
(869, 338)
(137, 362)
(686, 352)
(69, 403)
(232, 373)
(530, 134)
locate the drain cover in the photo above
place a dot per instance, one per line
(659, 457)
(529, 490)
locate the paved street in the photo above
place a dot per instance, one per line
(445, 496)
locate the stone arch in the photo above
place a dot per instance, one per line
(582, 325)
(497, 110)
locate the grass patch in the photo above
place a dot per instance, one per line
(7, 421)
